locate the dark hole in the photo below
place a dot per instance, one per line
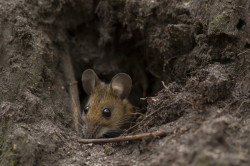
(111, 134)
(240, 24)
(247, 45)
(116, 56)
(71, 33)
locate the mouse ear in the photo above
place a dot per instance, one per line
(89, 81)
(121, 85)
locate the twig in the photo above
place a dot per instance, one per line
(152, 113)
(164, 85)
(168, 90)
(73, 89)
(143, 98)
(146, 98)
(123, 138)
(241, 104)
(144, 119)
(243, 52)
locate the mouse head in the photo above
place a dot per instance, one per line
(107, 109)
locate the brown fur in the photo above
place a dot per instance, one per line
(103, 97)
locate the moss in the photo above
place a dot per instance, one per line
(8, 155)
(9, 158)
(4, 132)
(201, 164)
(35, 76)
(219, 23)
(208, 161)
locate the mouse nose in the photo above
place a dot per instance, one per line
(90, 131)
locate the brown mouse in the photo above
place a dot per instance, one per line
(107, 109)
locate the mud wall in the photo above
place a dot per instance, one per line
(200, 49)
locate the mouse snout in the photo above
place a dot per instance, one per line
(91, 131)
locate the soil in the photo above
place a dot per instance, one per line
(199, 49)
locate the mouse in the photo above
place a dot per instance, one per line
(107, 111)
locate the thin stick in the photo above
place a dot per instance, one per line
(144, 119)
(243, 52)
(123, 138)
(73, 89)
(164, 85)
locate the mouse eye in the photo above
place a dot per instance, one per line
(85, 109)
(106, 113)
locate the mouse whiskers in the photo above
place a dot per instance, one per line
(80, 124)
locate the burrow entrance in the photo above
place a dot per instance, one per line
(110, 45)
(131, 56)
